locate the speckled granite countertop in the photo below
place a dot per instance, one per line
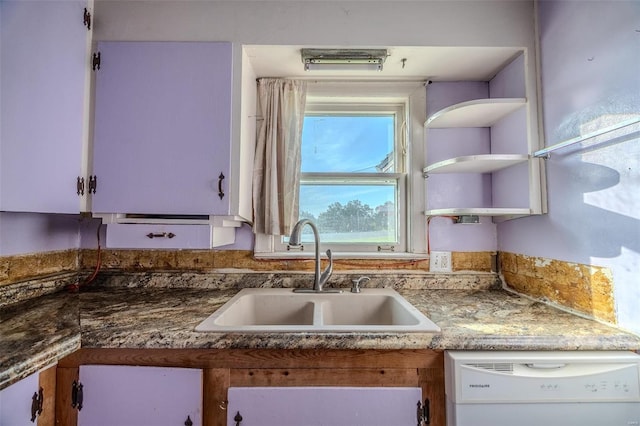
(469, 319)
(40, 331)
(36, 333)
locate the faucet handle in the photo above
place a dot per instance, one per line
(324, 277)
(355, 287)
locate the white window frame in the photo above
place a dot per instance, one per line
(325, 96)
(326, 106)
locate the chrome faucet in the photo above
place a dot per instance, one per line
(320, 279)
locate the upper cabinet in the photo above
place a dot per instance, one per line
(163, 148)
(162, 132)
(44, 80)
(479, 151)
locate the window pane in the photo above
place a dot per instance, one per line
(348, 144)
(351, 213)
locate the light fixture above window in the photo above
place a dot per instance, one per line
(343, 59)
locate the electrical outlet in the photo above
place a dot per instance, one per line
(440, 261)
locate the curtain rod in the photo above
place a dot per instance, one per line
(316, 81)
(367, 81)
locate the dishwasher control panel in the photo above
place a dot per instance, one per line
(537, 379)
(567, 383)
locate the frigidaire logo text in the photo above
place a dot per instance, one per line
(480, 386)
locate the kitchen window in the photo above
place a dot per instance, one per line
(352, 176)
(356, 172)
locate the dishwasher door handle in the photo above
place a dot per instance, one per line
(545, 365)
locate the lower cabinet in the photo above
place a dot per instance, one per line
(31, 401)
(141, 396)
(311, 406)
(246, 387)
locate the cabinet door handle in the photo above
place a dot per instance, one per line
(220, 190)
(161, 235)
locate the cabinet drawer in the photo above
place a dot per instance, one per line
(160, 236)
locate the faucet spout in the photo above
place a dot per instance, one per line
(294, 239)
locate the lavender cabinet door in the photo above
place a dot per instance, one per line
(162, 128)
(43, 66)
(141, 396)
(15, 402)
(316, 406)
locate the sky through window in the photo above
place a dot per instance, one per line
(345, 144)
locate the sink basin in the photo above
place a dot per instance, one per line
(282, 310)
(252, 308)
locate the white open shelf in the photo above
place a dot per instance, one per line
(479, 211)
(483, 163)
(475, 113)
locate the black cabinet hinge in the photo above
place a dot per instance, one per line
(93, 184)
(86, 19)
(424, 413)
(95, 61)
(80, 186)
(76, 395)
(36, 404)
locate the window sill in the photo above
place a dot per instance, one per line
(343, 255)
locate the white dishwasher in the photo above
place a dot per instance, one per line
(542, 388)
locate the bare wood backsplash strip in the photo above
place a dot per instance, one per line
(29, 266)
(206, 260)
(22, 268)
(586, 289)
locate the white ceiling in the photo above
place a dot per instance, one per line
(422, 63)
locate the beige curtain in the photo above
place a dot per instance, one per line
(276, 174)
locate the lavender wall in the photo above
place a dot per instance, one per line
(244, 239)
(22, 233)
(590, 72)
(399, 23)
